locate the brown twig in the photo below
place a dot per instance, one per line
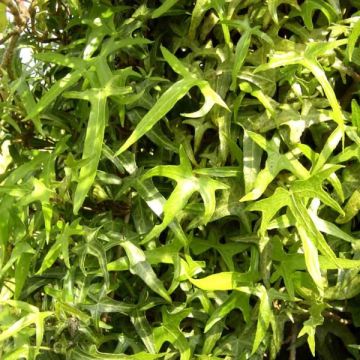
(335, 317)
(13, 8)
(8, 55)
(7, 37)
(292, 346)
(19, 21)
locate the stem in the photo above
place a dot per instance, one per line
(8, 55)
(292, 346)
(13, 36)
(12, 6)
(7, 37)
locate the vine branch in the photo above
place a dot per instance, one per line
(19, 21)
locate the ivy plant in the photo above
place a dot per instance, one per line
(179, 179)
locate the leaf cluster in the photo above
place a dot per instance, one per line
(180, 180)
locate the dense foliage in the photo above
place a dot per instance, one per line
(179, 179)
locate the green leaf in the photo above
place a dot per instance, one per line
(327, 226)
(59, 59)
(20, 249)
(355, 113)
(140, 267)
(108, 305)
(311, 259)
(26, 169)
(225, 171)
(313, 188)
(61, 245)
(176, 64)
(273, 4)
(269, 207)
(346, 288)
(310, 325)
(264, 317)
(242, 48)
(308, 60)
(19, 353)
(21, 272)
(164, 104)
(170, 97)
(211, 98)
(351, 208)
(166, 6)
(94, 354)
(187, 184)
(57, 89)
(252, 157)
(309, 6)
(95, 248)
(33, 318)
(354, 35)
(309, 232)
(144, 330)
(29, 103)
(200, 8)
(169, 331)
(275, 163)
(223, 281)
(93, 142)
(236, 300)
(320, 75)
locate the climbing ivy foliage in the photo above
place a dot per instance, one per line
(179, 179)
